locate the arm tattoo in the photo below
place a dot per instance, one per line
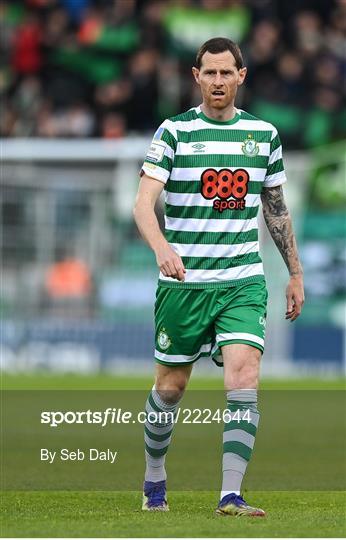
(279, 224)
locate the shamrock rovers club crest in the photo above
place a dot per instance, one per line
(163, 340)
(250, 147)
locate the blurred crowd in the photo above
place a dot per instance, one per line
(109, 68)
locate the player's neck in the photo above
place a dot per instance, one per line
(223, 115)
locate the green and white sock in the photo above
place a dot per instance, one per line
(238, 438)
(157, 436)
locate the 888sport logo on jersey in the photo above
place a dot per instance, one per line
(227, 188)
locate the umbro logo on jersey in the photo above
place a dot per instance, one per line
(198, 147)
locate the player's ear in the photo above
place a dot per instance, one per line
(242, 74)
(195, 73)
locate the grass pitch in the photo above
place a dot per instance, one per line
(100, 514)
(118, 514)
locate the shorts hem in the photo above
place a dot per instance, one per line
(173, 364)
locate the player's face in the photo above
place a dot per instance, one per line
(219, 79)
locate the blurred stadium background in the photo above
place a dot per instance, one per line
(84, 84)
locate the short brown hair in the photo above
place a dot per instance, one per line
(219, 45)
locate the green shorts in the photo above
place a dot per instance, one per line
(190, 323)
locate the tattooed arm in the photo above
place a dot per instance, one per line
(279, 224)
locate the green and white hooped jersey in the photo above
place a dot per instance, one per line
(214, 173)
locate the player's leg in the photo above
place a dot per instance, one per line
(161, 406)
(181, 338)
(241, 372)
(241, 364)
(240, 335)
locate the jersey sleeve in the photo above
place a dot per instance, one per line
(160, 157)
(275, 175)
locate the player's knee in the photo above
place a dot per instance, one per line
(243, 374)
(171, 389)
(241, 381)
(170, 395)
(247, 378)
(170, 382)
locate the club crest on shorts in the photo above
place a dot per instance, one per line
(250, 147)
(163, 340)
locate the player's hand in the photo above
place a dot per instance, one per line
(294, 297)
(170, 263)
